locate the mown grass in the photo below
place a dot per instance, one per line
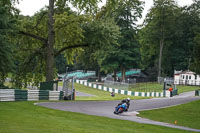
(24, 117)
(182, 88)
(156, 87)
(147, 87)
(98, 94)
(185, 115)
(139, 87)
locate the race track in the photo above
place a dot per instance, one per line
(106, 108)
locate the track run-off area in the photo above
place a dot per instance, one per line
(106, 108)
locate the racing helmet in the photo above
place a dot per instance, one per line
(128, 99)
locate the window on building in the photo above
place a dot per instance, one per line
(183, 76)
(189, 77)
(195, 76)
(186, 77)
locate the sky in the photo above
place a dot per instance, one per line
(29, 7)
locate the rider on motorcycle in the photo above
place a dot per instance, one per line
(127, 101)
(117, 109)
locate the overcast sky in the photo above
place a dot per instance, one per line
(29, 7)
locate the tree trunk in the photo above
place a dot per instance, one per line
(161, 42)
(99, 75)
(123, 74)
(2, 78)
(115, 75)
(50, 44)
(160, 56)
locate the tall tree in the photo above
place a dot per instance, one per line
(49, 40)
(65, 33)
(180, 38)
(101, 35)
(7, 26)
(126, 14)
(50, 43)
(157, 32)
(126, 53)
(194, 11)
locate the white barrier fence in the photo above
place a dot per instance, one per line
(124, 92)
(29, 95)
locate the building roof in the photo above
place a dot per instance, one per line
(130, 72)
(183, 72)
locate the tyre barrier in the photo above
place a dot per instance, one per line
(29, 95)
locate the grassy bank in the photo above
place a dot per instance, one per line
(184, 115)
(147, 87)
(182, 88)
(24, 117)
(100, 94)
(155, 87)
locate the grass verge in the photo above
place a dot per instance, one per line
(100, 94)
(183, 115)
(182, 88)
(24, 117)
(147, 87)
(155, 87)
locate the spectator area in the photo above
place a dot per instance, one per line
(78, 74)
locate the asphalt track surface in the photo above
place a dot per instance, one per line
(106, 108)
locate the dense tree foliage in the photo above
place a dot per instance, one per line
(7, 26)
(70, 33)
(167, 38)
(157, 34)
(101, 35)
(194, 13)
(106, 39)
(126, 15)
(126, 54)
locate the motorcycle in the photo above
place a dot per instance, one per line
(120, 108)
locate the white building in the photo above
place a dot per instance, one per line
(186, 78)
